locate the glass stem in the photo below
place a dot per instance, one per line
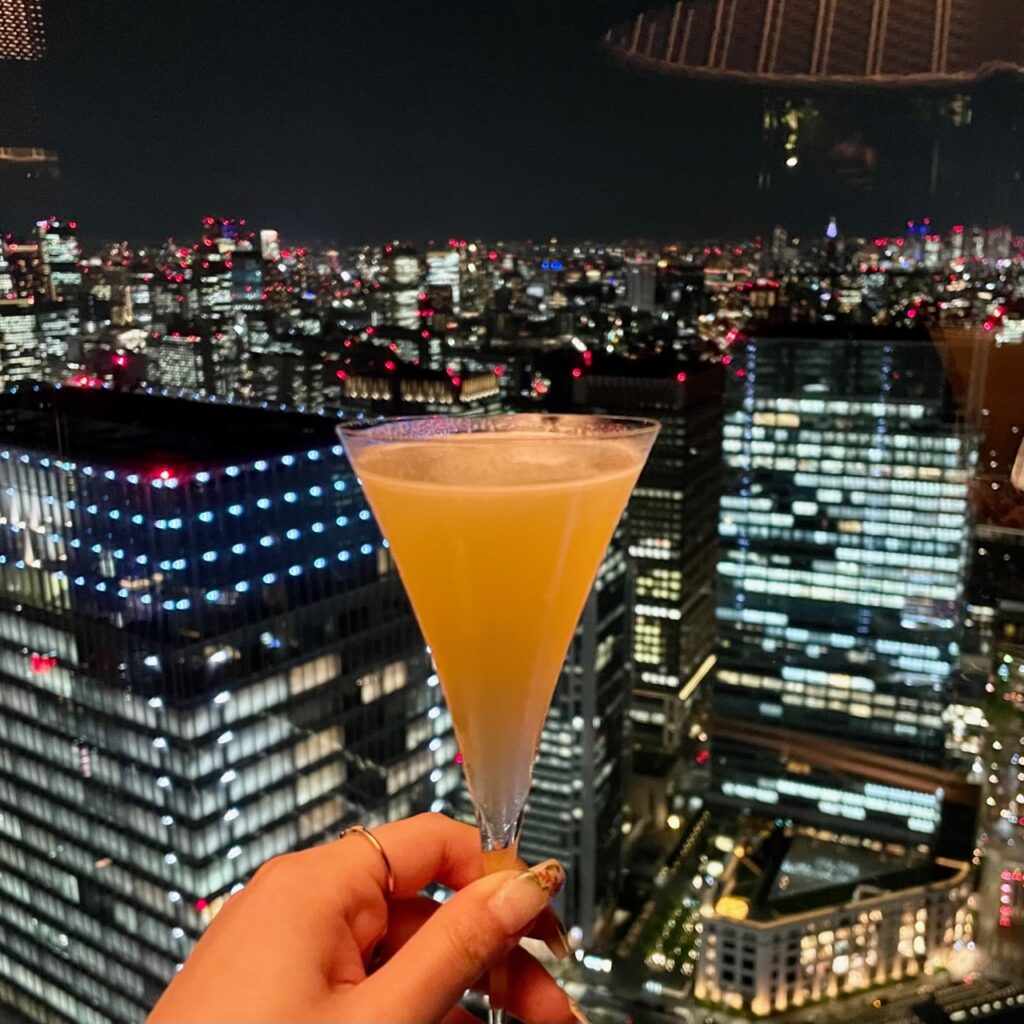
(501, 852)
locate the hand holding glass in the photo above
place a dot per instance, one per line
(498, 525)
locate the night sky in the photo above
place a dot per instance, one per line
(361, 120)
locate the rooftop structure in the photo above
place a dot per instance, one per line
(801, 917)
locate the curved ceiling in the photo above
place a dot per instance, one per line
(826, 42)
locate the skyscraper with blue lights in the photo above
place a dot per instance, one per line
(205, 659)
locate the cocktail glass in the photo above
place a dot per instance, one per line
(498, 525)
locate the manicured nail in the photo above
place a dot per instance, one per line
(522, 898)
(559, 943)
(574, 1009)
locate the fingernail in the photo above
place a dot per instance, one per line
(559, 944)
(522, 898)
(574, 1009)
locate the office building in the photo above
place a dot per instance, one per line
(25, 268)
(641, 283)
(7, 286)
(227, 271)
(672, 522)
(59, 258)
(374, 378)
(176, 361)
(444, 272)
(141, 285)
(270, 245)
(20, 341)
(206, 660)
(59, 328)
(211, 282)
(844, 532)
(797, 919)
(575, 810)
(21, 30)
(397, 302)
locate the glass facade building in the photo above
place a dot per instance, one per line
(672, 522)
(60, 256)
(206, 659)
(19, 341)
(575, 810)
(844, 530)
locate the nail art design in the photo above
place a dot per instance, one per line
(550, 876)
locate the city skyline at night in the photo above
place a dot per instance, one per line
(783, 762)
(857, 738)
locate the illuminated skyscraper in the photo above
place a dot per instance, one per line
(176, 361)
(641, 283)
(7, 289)
(398, 300)
(672, 526)
(227, 271)
(444, 271)
(19, 332)
(844, 529)
(20, 341)
(21, 30)
(59, 256)
(205, 659)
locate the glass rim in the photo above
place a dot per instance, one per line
(630, 426)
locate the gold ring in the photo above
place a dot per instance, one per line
(367, 834)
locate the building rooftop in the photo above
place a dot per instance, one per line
(142, 431)
(837, 330)
(785, 873)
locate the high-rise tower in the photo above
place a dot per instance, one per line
(844, 530)
(205, 659)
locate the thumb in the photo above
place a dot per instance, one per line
(471, 932)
